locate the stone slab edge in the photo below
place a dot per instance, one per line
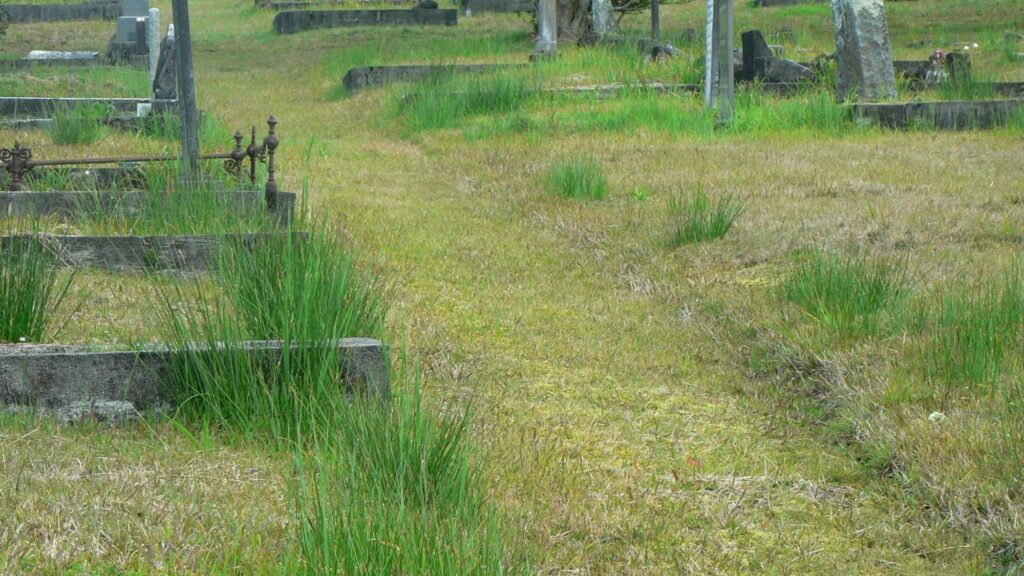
(292, 21)
(954, 115)
(27, 13)
(52, 376)
(33, 106)
(364, 77)
(197, 253)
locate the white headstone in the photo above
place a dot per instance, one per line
(153, 41)
(863, 52)
(547, 26)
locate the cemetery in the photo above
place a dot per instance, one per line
(490, 287)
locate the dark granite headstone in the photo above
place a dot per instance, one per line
(165, 85)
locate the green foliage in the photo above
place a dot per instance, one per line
(845, 290)
(972, 336)
(697, 218)
(32, 288)
(447, 100)
(80, 125)
(395, 494)
(306, 293)
(580, 177)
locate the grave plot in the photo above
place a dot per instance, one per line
(164, 226)
(71, 10)
(129, 83)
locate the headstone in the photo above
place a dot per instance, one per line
(959, 66)
(126, 28)
(547, 27)
(863, 52)
(603, 17)
(427, 5)
(187, 108)
(153, 40)
(787, 71)
(135, 8)
(165, 85)
(56, 55)
(756, 54)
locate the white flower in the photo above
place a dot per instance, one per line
(22, 339)
(966, 47)
(936, 417)
(975, 45)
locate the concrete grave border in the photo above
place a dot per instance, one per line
(54, 376)
(29, 106)
(952, 115)
(193, 253)
(293, 21)
(29, 13)
(364, 77)
(52, 203)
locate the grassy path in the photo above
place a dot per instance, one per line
(615, 435)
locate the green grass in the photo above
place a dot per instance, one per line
(80, 125)
(448, 100)
(973, 337)
(579, 177)
(847, 291)
(696, 217)
(32, 288)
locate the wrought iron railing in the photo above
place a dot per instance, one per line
(19, 162)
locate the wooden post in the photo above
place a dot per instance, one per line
(186, 92)
(656, 21)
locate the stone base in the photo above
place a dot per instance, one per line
(53, 377)
(964, 115)
(290, 22)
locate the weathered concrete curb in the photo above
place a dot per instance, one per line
(364, 77)
(773, 3)
(197, 253)
(27, 13)
(128, 202)
(961, 115)
(53, 376)
(500, 6)
(294, 21)
(44, 107)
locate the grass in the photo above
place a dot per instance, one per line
(579, 178)
(846, 290)
(697, 218)
(32, 288)
(972, 340)
(447, 101)
(79, 125)
(616, 424)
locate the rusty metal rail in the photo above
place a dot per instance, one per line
(19, 161)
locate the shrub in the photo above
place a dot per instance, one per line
(697, 218)
(580, 177)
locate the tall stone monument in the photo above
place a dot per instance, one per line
(547, 28)
(719, 74)
(863, 54)
(153, 39)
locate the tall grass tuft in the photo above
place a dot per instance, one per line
(697, 218)
(32, 288)
(580, 177)
(447, 100)
(847, 291)
(972, 335)
(306, 294)
(395, 494)
(82, 125)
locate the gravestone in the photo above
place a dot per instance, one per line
(756, 54)
(863, 52)
(547, 29)
(427, 5)
(165, 85)
(126, 28)
(603, 17)
(153, 41)
(720, 81)
(135, 8)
